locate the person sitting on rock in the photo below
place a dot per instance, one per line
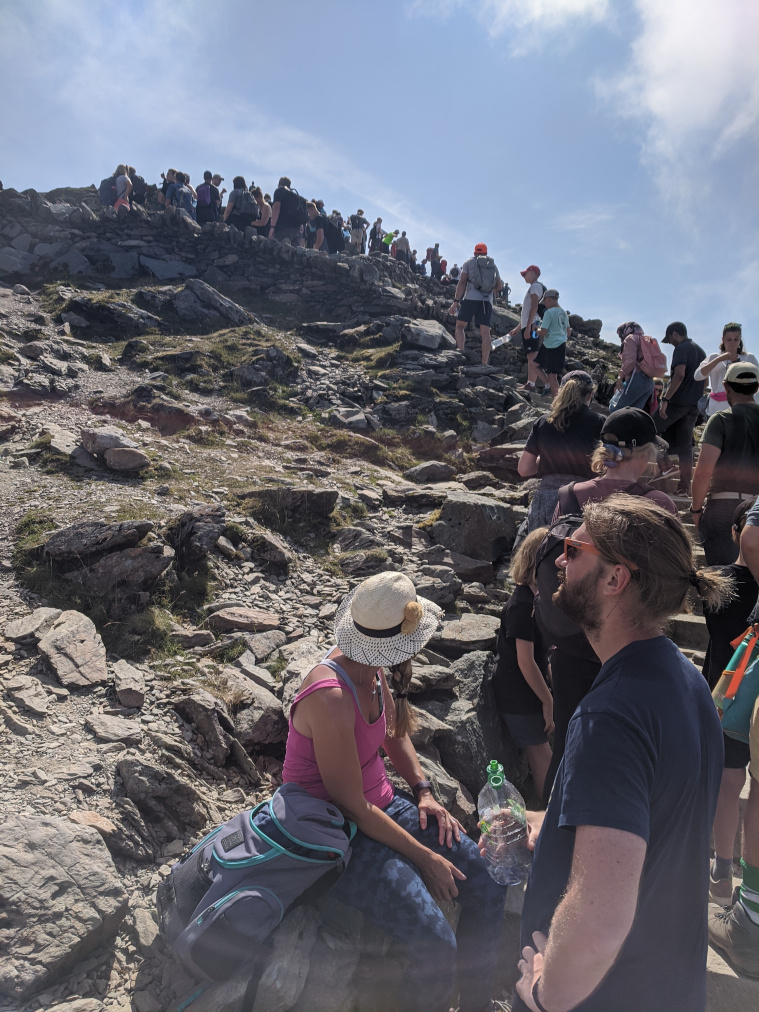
(398, 871)
(559, 446)
(123, 188)
(520, 682)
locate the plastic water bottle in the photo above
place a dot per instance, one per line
(497, 342)
(503, 823)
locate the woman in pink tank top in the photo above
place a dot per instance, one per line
(409, 854)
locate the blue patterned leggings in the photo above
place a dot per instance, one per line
(388, 889)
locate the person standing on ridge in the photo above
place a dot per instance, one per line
(728, 464)
(359, 225)
(615, 912)
(530, 345)
(473, 299)
(553, 336)
(403, 248)
(713, 368)
(284, 210)
(209, 200)
(678, 409)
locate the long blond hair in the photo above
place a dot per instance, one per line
(523, 562)
(571, 396)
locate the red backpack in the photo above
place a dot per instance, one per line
(652, 361)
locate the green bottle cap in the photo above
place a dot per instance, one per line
(495, 774)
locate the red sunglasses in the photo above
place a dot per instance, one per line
(573, 547)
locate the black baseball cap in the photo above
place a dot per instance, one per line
(631, 427)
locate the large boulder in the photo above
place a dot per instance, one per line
(196, 533)
(474, 525)
(428, 334)
(107, 258)
(60, 897)
(210, 717)
(132, 570)
(306, 501)
(107, 437)
(171, 806)
(262, 722)
(91, 538)
(224, 307)
(430, 471)
(115, 318)
(463, 633)
(75, 651)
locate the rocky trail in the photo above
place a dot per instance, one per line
(206, 439)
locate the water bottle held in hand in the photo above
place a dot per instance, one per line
(503, 823)
(497, 342)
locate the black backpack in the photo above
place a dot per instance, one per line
(558, 630)
(335, 238)
(139, 190)
(107, 191)
(295, 210)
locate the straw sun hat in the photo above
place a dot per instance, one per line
(382, 622)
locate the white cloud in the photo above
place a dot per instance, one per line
(693, 82)
(525, 20)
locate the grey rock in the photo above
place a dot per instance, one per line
(49, 249)
(210, 717)
(245, 619)
(27, 691)
(475, 525)
(72, 262)
(431, 471)
(90, 538)
(108, 728)
(426, 334)
(145, 929)
(107, 437)
(261, 676)
(469, 631)
(317, 502)
(167, 270)
(333, 963)
(220, 305)
(284, 978)
(13, 261)
(115, 318)
(23, 242)
(197, 532)
(225, 546)
(75, 320)
(32, 627)
(189, 638)
(171, 806)
(263, 721)
(270, 548)
(79, 1005)
(129, 684)
(130, 570)
(126, 460)
(75, 651)
(265, 643)
(62, 441)
(60, 895)
(353, 539)
(453, 795)
(108, 258)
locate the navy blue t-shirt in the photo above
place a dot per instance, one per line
(644, 754)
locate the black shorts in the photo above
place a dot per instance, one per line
(737, 753)
(551, 360)
(477, 310)
(529, 344)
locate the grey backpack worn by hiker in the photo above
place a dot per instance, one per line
(226, 895)
(484, 275)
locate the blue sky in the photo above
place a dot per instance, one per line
(612, 142)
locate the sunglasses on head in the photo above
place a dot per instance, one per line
(573, 547)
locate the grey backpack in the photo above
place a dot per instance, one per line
(226, 895)
(485, 274)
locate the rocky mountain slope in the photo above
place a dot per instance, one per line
(206, 438)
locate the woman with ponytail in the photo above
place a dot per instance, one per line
(409, 853)
(559, 446)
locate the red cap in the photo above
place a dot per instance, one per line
(481, 248)
(532, 267)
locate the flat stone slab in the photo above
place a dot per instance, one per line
(108, 728)
(467, 632)
(60, 895)
(245, 619)
(32, 627)
(27, 691)
(75, 651)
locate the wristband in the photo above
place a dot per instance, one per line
(535, 998)
(664, 399)
(697, 511)
(423, 785)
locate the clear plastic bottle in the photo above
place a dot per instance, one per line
(497, 342)
(503, 823)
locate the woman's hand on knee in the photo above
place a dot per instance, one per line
(449, 828)
(440, 876)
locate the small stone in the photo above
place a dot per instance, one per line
(226, 547)
(114, 729)
(129, 684)
(126, 460)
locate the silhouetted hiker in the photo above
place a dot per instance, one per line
(359, 225)
(139, 188)
(209, 200)
(242, 209)
(287, 216)
(168, 179)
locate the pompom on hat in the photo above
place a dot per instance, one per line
(382, 622)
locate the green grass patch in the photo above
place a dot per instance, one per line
(430, 520)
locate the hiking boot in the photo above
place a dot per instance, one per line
(721, 891)
(735, 936)
(529, 387)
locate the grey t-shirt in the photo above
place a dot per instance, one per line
(470, 269)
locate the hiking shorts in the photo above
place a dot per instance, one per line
(551, 360)
(529, 344)
(525, 728)
(292, 232)
(476, 309)
(737, 753)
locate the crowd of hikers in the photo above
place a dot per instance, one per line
(637, 758)
(284, 215)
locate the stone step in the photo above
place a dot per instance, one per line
(689, 632)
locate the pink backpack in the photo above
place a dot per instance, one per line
(651, 359)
